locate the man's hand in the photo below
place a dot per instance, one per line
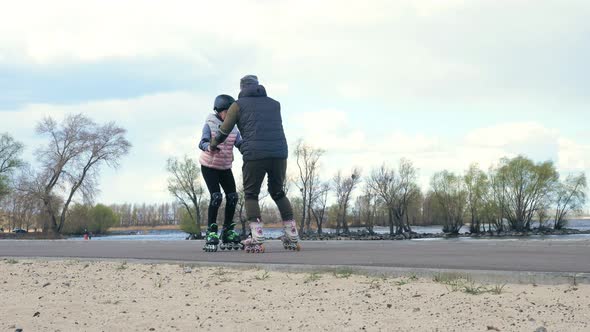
(212, 148)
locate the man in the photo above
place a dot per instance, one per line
(264, 151)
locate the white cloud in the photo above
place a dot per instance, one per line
(354, 56)
(530, 138)
(447, 49)
(574, 156)
(507, 134)
(324, 120)
(430, 154)
(333, 131)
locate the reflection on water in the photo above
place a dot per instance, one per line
(273, 233)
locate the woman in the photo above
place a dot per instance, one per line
(216, 164)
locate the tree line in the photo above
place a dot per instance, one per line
(58, 194)
(516, 194)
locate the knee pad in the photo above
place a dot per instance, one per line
(278, 195)
(232, 198)
(216, 199)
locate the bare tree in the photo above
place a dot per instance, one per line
(344, 186)
(184, 184)
(71, 160)
(477, 186)
(526, 188)
(495, 203)
(240, 208)
(9, 160)
(319, 208)
(368, 206)
(449, 190)
(570, 196)
(409, 192)
(384, 182)
(23, 206)
(307, 159)
(397, 191)
(338, 183)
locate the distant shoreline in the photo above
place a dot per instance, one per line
(167, 228)
(357, 233)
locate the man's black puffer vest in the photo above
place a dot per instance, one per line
(261, 125)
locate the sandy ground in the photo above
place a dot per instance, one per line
(69, 295)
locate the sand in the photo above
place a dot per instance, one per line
(70, 295)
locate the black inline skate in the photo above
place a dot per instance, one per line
(211, 239)
(230, 239)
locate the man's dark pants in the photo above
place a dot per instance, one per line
(254, 172)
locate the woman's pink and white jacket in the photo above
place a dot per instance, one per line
(223, 158)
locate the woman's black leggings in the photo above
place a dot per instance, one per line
(215, 180)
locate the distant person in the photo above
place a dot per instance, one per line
(216, 164)
(264, 151)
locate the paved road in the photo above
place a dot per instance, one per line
(500, 255)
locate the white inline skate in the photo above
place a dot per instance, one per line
(290, 237)
(254, 243)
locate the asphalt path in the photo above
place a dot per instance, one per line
(572, 256)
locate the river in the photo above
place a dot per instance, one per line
(273, 233)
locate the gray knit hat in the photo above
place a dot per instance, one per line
(248, 80)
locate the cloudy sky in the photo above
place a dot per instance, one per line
(443, 83)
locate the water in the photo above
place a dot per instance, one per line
(581, 224)
(176, 235)
(152, 235)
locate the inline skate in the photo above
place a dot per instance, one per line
(290, 237)
(230, 239)
(211, 239)
(254, 243)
